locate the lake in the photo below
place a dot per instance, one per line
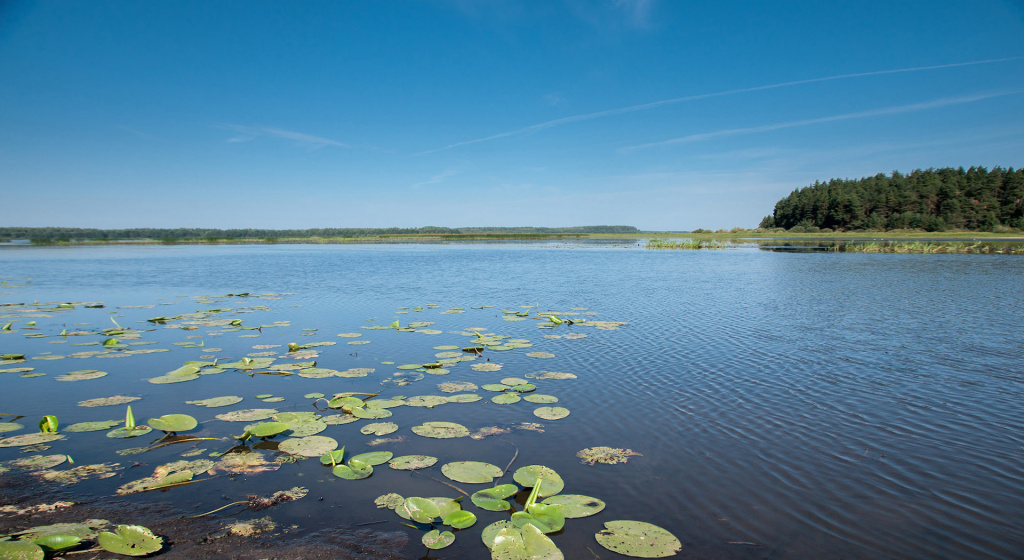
(783, 404)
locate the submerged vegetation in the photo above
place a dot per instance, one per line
(532, 504)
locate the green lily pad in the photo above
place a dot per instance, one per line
(130, 540)
(464, 398)
(441, 430)
(495, 387)
(551, 375)
(412, 462)
(493, 499)
(38, 462)
(542, 355)
(457, 387)
(22, 550)
(216, 401)
(268, 429)
(524, 388)
(552, 483)
(97, 426)
(410, 366)
(390, 501)
(81, 375)
(108, 401)
(638, 539)
(273, 399)
(403, 378)
(247, 415)
(471, 472)
(313, 395)
(155, 482)
(354, 470)
(371, 413)
(459, 519)
(374, 458)
(486, 366)
(574, 506)
(311, 446)
(54, 543)
(547, 518)
(355, 372)
(123, 432)
(420, 510)
(435, 539)
(513, 381)
(379, 428)
(30, 439)
(506, 398)
(426, 401)
(491, 531)
(551, 412)
(173, 423)
(540, 399)
(10, 427)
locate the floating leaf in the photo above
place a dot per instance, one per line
(547, 518)
(471, 472)
(464, 398)
(638, 539)
(527, 476)
(30, 439)
(574, 506)
(506, 398)
(540, 399)
(420, 510)
(495, 387)
(540, 354)
(486, 366)
(156, 481)
(374, 458)
(426, 401)
(10, 427)
(38, 462)
(20, 550)
(371, 413)
(435, 539)
(173, 423)
(311, 446)
(460, 519)
(412, 462)
(551, 412)
(54, 543)
(247, 415)
(97, 426)
(131, 540)
(248, 463)
(313, 395)
(354, 470)
(379, 428)
(123, 432)
(334, 458)
(390, 501)
(108, 401)
(493, 499)
(440, 430)
(551, 375)
(216, 401)
(81, 375)
(457, 387)
(268, 429)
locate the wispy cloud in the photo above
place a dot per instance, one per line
(654, 104)
(440, 177)
(897, 110)
(247, 133)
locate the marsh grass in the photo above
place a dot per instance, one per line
(927, 247)
(689, 244)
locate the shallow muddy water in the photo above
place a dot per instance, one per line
(785, 405)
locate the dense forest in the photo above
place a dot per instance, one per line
(63, 234)
(933, 200)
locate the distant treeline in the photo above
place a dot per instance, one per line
(60, 234)
(933, 200)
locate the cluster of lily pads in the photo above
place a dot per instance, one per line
(36, 543)
(523, 535)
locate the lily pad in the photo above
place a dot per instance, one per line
(215, 402)
(123, 432)
(249, 463)
(354, 470)
(460, 519)
(426, 401)
(374, 458)
(551, 483)
(30, 439)
(379, 428)
(81, 375)
(38, 462)
(130, 540)
(457, 387)
(420, 510)
(390, 501)
(574, 506)
(108, 401)
(97, 426)
(540, 399)
(435, 539)
(268, 429)
(247, 415)
(173, 423)
(10, 427)
(371, 413)
(551, 375)
(506, 398)
(464, 398)
(486, 366)
(493, 499)
(551, 412)
(311, 446)
(495, 387)
(23, 550)
(638, 539)
(543, 355)
(491, 531)
(547, 518)
(412, 462)
(471, 472)
(441, 430)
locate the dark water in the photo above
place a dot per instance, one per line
(809, 405)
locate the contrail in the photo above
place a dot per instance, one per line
(619, 111)
(899, 109)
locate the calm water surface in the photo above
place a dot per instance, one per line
(785, 405)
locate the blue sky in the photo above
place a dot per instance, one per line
(666, 115)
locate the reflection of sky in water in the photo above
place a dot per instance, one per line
(854, 405)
